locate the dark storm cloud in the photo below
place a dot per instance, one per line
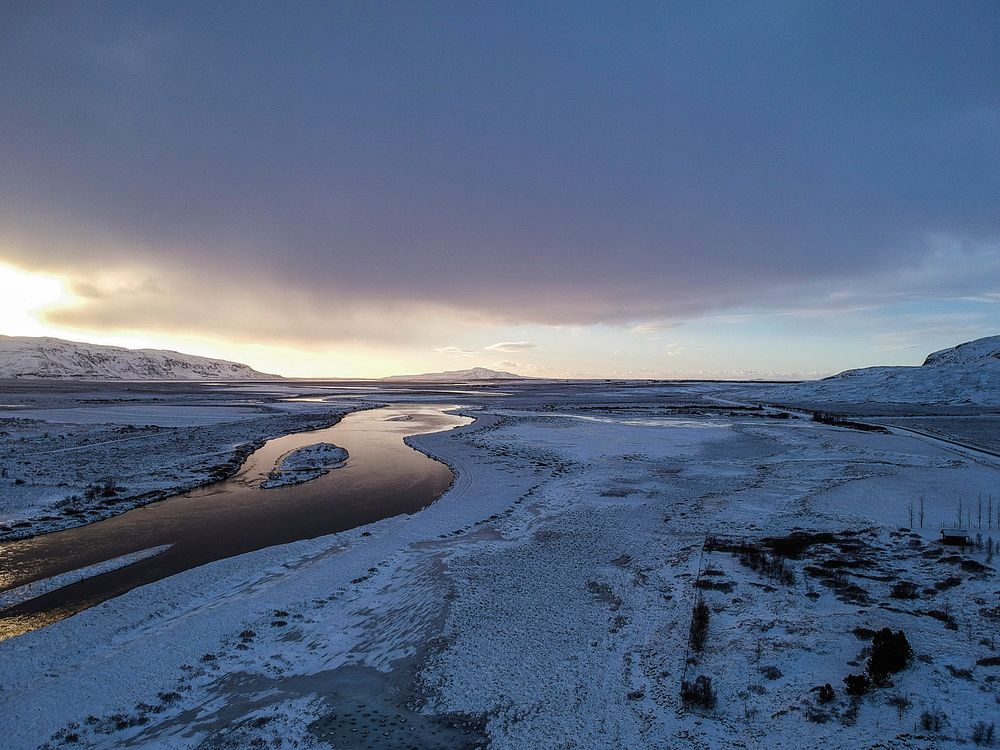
(555, 163)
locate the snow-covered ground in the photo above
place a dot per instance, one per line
(545, 600)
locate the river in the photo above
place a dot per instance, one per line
(382, 477)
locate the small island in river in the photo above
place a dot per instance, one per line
(305, 464)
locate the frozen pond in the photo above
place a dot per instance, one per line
(383, 477)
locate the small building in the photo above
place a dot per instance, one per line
(955, 536)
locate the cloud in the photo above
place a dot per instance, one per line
(456, 350)
(510, 346)
(361, 185)
(652, 326)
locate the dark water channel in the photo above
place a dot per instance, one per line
(383, 477)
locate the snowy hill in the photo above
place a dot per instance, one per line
(41, 357)
(985, 352)
(967, 373)
(458, 376)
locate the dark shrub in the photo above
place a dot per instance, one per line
(901, 703)
(904, 590)
(982, 733)
(699, 693)
(891, 652)
(857, 684)
(699, 626)
(946, 618)
(770, 672)
(836, 421)
(948, 583)
(772, 566)
(826, 693)
(932, 721)
(103, 488)
(816, 716)
(961, 673)
(709, 584)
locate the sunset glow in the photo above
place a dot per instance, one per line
(24, 298)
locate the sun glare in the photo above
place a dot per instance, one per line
(24, 297)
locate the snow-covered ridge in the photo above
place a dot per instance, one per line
(968, 373)
(984, 351)
(44, 357)
(459, 376)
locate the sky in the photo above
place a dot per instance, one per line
(568, 189)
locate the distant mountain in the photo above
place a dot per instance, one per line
(967, 373)
(42, 357)
(458, 376)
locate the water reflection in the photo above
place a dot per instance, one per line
(382, 477)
